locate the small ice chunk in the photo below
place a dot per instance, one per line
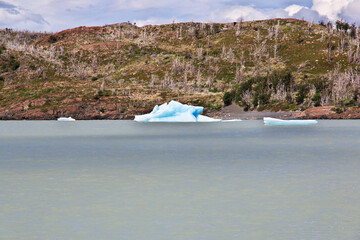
(66, 119)
(274, 121)
(202, 118)
(232, 120)
(175, 112)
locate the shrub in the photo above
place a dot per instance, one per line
(337, 110)
(316, 99)
(320, 85)
(356, 94)
(53, 39)
(288, 98)
(284, 78)
(2, 49)
(227, 98)
(302, 93)
(322, 23)
(261, 99)
(349, 103)
(13, 64)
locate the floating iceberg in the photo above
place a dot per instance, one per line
(64, 119)
(275, 121)
(175, 112)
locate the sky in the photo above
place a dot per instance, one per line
(57, 15)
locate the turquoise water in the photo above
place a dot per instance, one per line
(128, 180)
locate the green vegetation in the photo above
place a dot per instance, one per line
(13, 64)
(2, 49)
(227, 98)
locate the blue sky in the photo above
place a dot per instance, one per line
(56, 15)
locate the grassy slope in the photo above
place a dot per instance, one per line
(139, 67)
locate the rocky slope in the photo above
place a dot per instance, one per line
(116, 71)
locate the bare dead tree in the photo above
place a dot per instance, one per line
(154, 80)
(185, 81)
(216, 69)
(198, 79)
(322, 39)
(276, 35)
(309, 27)
(223, 53)
(258, 53)
(200, 53)
(329, 49)
(191, 31)
(190, 68)
(177, 67)
(210, 81)
(230, 55)
(238, 28)
(94, 65)
(102, 86)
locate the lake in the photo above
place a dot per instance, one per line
(198, 181)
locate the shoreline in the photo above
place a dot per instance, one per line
(225, 113)
(326, 112)
(235, 112)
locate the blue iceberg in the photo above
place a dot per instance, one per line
(175, 112)
(276, 122)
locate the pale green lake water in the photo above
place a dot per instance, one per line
(210, 181)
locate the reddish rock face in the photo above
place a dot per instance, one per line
(327, 113)
(298, 115)
(17, 109)
(111, 107)
(319, 112)
(38, 102)
(26, 105)
(50, 112)
(68, 33)
(103, 46)
(67, 100)
(35, 114)
(73, 109)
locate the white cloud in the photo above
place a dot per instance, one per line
(235, 13)
(55, 15)
(16, 17)
(142, 4)
(351, 12)
(330, 8)
(58, 14)
(171, 4)
(154, 21)
(294, 9)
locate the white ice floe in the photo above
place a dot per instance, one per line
(232, 120)
(64, 119)
(275, 121)
(175, 112)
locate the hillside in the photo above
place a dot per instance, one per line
(116, 71)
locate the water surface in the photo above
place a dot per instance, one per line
(128, 180)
